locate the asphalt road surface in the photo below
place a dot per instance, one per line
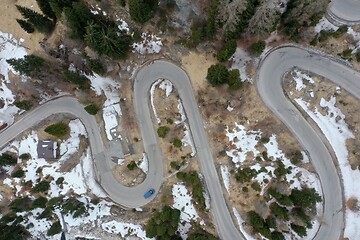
(164, 70)
(345, 11)
(269, 86)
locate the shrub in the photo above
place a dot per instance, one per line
(74, 206)
(257, 48)
(7, 159)
(357, 56)
(56, 201)
(96, 66)
(300, 213)
(163, 225)
(346, 53)
(47, 213)
(217, 74)
(234, 80)
(28, 65)
(132, 165)
(92, 109)
(281, 170)
(300, 230)
(340, 31)
(76, 78)
(295, 157)
(142, 10)
(59, 181)
(8, 218)
(277, 236)
(25, 156)
(280, 198)
(177, 143)
(42, 186)
(245, 174)
(20, 204)
(256, 186)
(264, 140)
(163, 131)
(58, 129)
(18, 174)
(40, 202)
(192, 179)
(14, 231)
(307, 197)
(24, 105)
(54, 229)
(175, 165)
(258, 224)
(227, 50)
(280, 212)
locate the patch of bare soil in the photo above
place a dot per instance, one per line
(168, 113)
(248, 110)
(8, 23)
(126, 176)
(323, 88)
(196, 66)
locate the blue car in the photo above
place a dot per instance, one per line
(149, 193)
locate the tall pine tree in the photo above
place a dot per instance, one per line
(107, 40)
(39, 21)
(28, 27)
(142, 10)
(45, 7)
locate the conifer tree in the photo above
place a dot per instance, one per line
(45, 7)
(107, 40)
(28, 27)
(142, 10)
(39, 21)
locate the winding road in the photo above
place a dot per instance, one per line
(269, 85)
(344, 12)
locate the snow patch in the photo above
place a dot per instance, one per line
(183, 202)
(335, 129)
(240, 60)
(225, 174)
(149, 44)
(111, 106)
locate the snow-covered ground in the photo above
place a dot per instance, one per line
(240, 60)
(324, 24)
(124, 230)
(149, 44)
(143, 164)
(187, 138)
(111, 107)
(167, 87)
(152, 92)
(245, 141)
(79, 181)
(335, 129)
(183, 202)
(225, 174)
(9, 48)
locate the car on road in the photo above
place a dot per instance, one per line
(149, 193)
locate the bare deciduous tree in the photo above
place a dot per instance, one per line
(229, 11)
(265, 17)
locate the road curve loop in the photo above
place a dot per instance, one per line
(269, 86)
